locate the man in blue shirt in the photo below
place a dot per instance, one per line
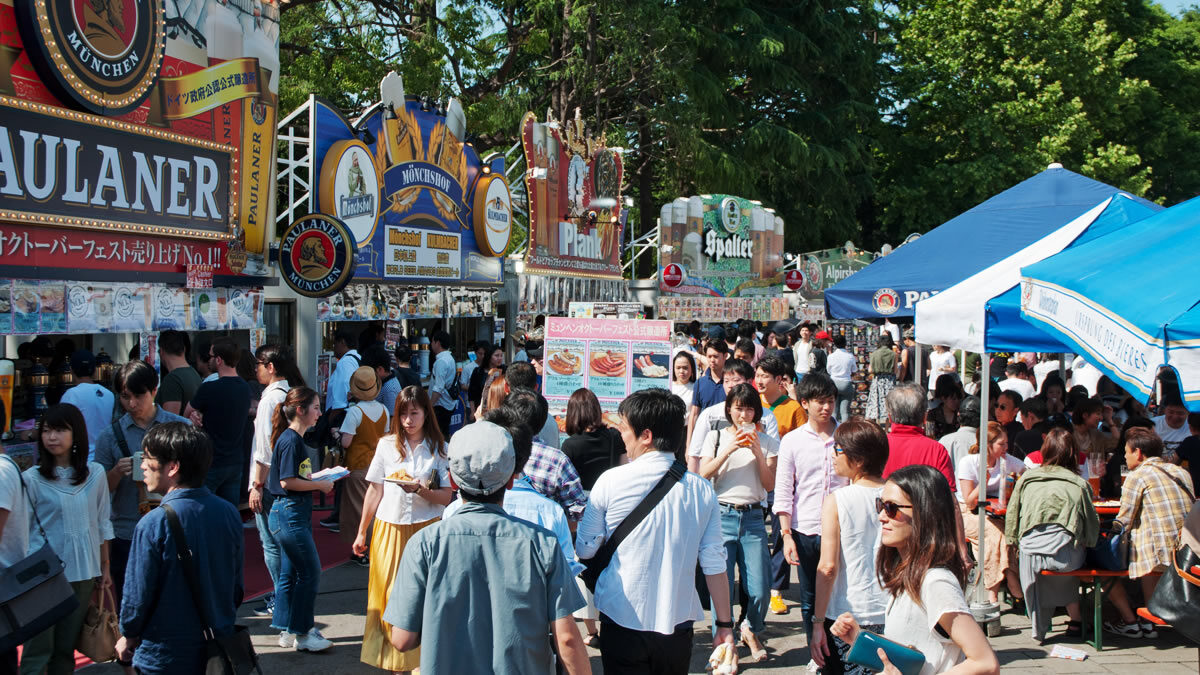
(709, 389)
(444, 384)
(484, 591)
(160, 627)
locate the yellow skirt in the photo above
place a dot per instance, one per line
(387, 545)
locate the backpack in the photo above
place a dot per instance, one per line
(323, 434)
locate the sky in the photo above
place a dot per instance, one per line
(1174, 6)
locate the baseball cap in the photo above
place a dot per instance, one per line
(716, 333)
(481, 458)
(783, 327)
(82, 361)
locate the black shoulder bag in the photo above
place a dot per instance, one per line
(229, 655)
(596, 565)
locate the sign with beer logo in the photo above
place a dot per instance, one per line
(316, 255)
(886, 301)
(729, 246)
(673, 276)
(493, 215)
(794, 280)
(350, 188)
(102, 56)
(408, 185)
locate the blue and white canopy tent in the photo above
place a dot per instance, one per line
(1008, 222)
(1128, 301)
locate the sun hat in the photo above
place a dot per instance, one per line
(364, 385)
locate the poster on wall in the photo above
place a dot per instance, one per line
(612, 357)
(720, 245)
(418, 201)
(6, 313)
(54, 306)
(576, 213)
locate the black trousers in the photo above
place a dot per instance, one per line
(638, 652)
(443, 419)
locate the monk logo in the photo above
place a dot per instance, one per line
(316, 256)
(886, 301)
(731, 214)
(102, 56)
(258, 111)
(349, 188)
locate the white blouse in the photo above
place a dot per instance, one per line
(77, 518)
(397, 506)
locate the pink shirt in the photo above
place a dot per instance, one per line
(804, 476)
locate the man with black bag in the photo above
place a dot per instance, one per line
(648, 601)
(184, 580)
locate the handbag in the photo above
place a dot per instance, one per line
(34, 592)
(232, 654)
(98, 637)
(865, 652)
(1111, 551)
(1176, 599)
(594, 566)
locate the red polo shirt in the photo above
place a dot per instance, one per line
(909, 445)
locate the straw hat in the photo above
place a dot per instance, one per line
(364, 386)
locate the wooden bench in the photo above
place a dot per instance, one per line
(1095, 577)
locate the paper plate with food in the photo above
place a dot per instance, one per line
(608, 364)
(565, 362)
(402, 478)
(651, 365)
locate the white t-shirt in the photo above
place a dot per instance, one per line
(1171, 437)
(97, 404)
(397, 506)
(1041, 370)
(354, 415)
(1086, 374)
(14, 544)
(938, 361)
(968, 469)
(1022, 387)
(684, 391)
(910, 623)
(738, 481)
(841, 365)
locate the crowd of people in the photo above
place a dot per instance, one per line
(485, 547)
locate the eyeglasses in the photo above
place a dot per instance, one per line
(1001, 406)
(891, 508)
(839, 450)
(260, 362)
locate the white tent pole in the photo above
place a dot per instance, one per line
(918, 373)
(985, 390)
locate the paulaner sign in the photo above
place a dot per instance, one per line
(71, 169)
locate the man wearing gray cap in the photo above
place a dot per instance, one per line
(483, 591)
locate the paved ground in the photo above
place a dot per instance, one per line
(343, 600)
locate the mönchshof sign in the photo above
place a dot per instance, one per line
(419, 203)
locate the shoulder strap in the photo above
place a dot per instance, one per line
(184, 553)
(639, 513)
(119, 436)
(28, 498)
(1178, 482)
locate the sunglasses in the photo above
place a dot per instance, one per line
(839, 450)
(890, 508)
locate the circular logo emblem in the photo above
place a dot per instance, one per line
(886, 301)
(316, 255)
(794, 280)
(673, 275)
(350, 188)
(812, 273)
(731, 214)
(493, 215)
(102, 56)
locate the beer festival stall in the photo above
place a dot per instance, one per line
(721, 257)
(136, 185)
(408, 228)
(576, 220)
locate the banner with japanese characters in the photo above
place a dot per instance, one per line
(611, 357)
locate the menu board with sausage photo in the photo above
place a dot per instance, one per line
(611, 357)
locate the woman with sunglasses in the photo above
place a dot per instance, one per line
(740, 460)
(997, 566)
(850, 529)
(920, 568)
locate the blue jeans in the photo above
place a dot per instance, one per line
(270, 547)
(808, 549)
(299, 566)
(225, 482)
(845, 394)
(745, 537)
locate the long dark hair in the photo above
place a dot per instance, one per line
(414, 395)
(284, 362)
(297, 398)
(64, 417)
(583, 412)
(934, 541)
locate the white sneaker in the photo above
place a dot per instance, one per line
(812, 667)
(286, 640)
(312, 642)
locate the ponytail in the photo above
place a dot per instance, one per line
(284, 362)
(286, 412)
